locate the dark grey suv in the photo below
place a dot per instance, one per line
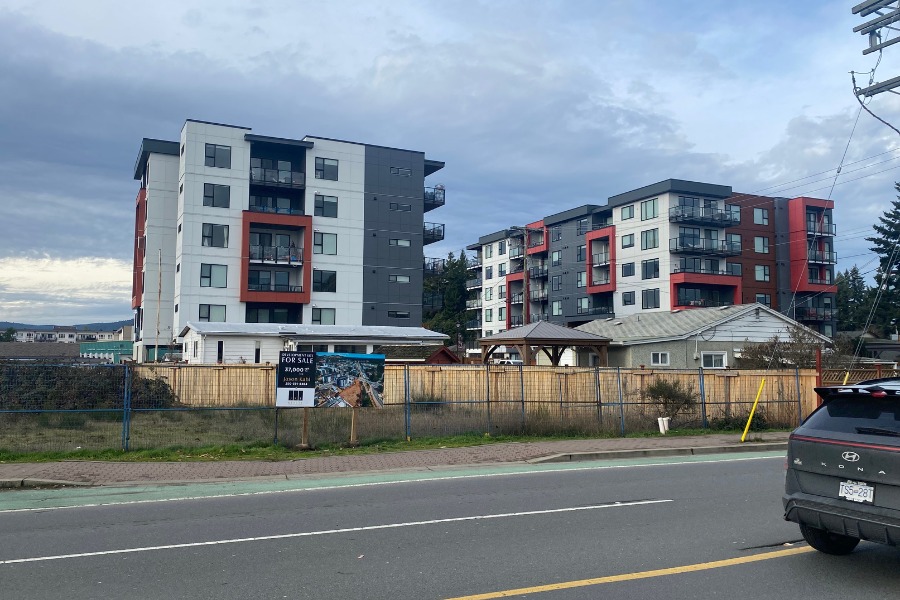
(843, 468)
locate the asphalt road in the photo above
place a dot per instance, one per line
(713, 528)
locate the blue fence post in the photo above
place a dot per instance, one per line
(126, 411)
(621, 401)
(799, 398)
(407, 403)
(703, 399)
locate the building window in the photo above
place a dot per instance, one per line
(325, 206)
(326, 168)
(659, 359)
(215, 236)
(218, 156)
(398, 278)
(501, 270)
(762, 272)
(734, 211)
(650, 269)
(178, 267)
(555, 258)
(501, 291)
(761, 245)
(489, 272)
(581, 279)
(713, 360)
(324, 281)
(488, 250)
(556, 283)
(399, 242)
(401, 171)
(764, 299)
(488, 315)
(398, 314)
(218, 196)
(556, 234)
(400, 207)
(582, 305)
(650, 239)
(650, 298)
(649, 209)
(628, 269)
(324, 243)
(556, 308)
(501, 313)
(760, 216)
(213, 275)
(488, 293)
(501, 247)
(628, 240)
(628, 212)
(212, 313)
(582, 253)
(733, 240)
(323, 316)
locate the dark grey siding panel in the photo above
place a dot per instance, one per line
(380, 259)
(567, 271)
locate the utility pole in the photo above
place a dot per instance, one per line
(888, 13)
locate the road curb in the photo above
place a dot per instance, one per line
(9, 484)
(660, 452)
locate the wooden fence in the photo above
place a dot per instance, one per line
(836, 376)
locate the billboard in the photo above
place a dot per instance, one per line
(329, 379)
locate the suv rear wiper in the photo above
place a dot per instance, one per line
(878, 431)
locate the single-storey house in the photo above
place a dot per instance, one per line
(236, 343)
(415, 354)
(712, 338)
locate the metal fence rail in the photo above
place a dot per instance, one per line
(65, 407)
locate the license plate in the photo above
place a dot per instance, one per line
(857, 491)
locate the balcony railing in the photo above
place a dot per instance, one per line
(730, 269)
(516, 321)
(696, 245)
(517, 298)
(473, 304)
(815, 314)
(473, 324)
(535, 318)
(820, 281)
(474, 283)
(601, 259)
(277, 177)
(538, 295)
(602, 281)
(820, 229)
(516, 251)
(702, 302)
(583, 229)
(474, 263)
(537, 272)
(826, 257)
(278, 210)
(433, 197)
(702, 216)
(516, 269)
(432, 232)
(434, 266)
(273, 287)
(606, 311)
(536, 241)
(286, 254)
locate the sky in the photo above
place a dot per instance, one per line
(535, 107)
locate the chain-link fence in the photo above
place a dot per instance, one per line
(63, 408)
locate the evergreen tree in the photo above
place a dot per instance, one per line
(852, 300)
(885, 245)
(449, 286)
(9, 335)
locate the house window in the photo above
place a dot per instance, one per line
(628, 240)
(398, 314)
(215, 236)
(761, 216)
(402, 172)
(764, 299)
(581, 279)
(649, 209)
(501, 247)
(326, 168)
(556, 283)
(761, 244)
(324, 281)
(556, 308)
(713, 360)
(628, 212)
(398, 278)
(399, 242)
(627, 298)
(582, 253)
(324, 243)
(213, 275)
(218, 156)
(555, 258)
(323, 316)
(325, 206)
(650, 269)
(762, 272)
(218, 196)
(650, 239)
(400, 207)
(659, 359)
(556, 234)
(213, 313)
(489, 272)
(650, 298)
(488, 315)
(628, 269)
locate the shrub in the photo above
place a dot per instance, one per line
(671, 397)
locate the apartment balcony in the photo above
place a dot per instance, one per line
(538, 272)
(433, 197)
(471, 284)
(516, 251)
(473, 304)
(596, 311)
(434, 266)
(517, 298)
(474, 263)
(432, 232)
(516, 321)
(277, 209)
(814, 314)
(538, 295)
(602, 280)
(276, 254)
(583, 229)
(534, 242)
(279, 178)
(695, 215)
(432, 301)
(820, 281)
(820, 229)
(473, 324)
(535, 318)
(826, 257)
(730, 269)
(516, 269)
(706, 247)
(601, 259)
(274, 287)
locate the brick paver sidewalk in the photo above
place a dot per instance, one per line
(109, 473)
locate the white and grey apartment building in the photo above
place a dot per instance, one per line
(231, 226)
(668, 246)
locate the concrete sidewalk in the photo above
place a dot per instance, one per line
(90, 473)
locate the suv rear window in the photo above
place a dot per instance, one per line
(877, 416)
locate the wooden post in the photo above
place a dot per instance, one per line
(354, 441)
(304, 432)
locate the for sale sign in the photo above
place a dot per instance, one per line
(295, 385)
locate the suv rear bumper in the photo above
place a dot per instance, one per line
(867, 523)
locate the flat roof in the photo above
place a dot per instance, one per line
(709, 190)
(431, 166)
(217, 124)
(572, 213)
(370, 333)
(151, 146)
(265, 139)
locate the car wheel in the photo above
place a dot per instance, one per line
(827, 542)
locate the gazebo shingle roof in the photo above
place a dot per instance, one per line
(544, 330)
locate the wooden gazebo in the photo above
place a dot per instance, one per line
(544, 337)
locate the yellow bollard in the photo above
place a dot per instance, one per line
(753, 410)
(846, 377)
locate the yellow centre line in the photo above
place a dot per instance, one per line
(566, 585)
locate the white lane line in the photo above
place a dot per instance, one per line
(284, 536)
(537, 471)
